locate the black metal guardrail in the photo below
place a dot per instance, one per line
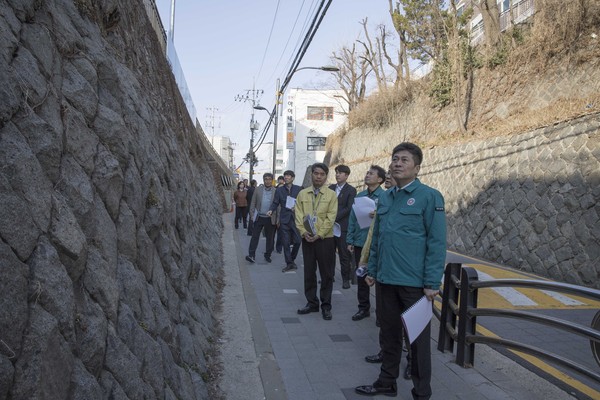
(459, 304)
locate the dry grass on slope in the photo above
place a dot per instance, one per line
(551, 75)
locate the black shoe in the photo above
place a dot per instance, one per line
(377, 388)
(289, 268)
(268, 259)
(250, 259)
(407, 374)
(327, 315)
(375, 358)
(237, 227)
(361, 314)
(307, 309)
(346, 284)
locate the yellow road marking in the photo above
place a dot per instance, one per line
(561, 376)
(489, 298)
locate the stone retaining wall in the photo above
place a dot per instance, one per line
(109, 214)
(529, 201)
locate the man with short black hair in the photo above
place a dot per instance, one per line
(406, 259)
(316, 207)
(286, 221)
(345, 194)
(356, 237)
(259, 207)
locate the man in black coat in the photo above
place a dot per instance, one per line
(345, 194)
(287, 226)
(250, 190)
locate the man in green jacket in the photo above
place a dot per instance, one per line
(356, 237)
(406, 258)
(319, 203)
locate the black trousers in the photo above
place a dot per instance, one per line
(240, 214)
(363, 290)
(321, 255)
(394, 301)
(259, 224)
(344, 254)
(289, 237)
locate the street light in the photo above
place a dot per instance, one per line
(278, 95)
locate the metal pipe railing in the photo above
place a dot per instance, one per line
(459, 301)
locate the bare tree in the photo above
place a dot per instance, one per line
(402, 67)
(491, 22)
(354, 68)
(372, 55)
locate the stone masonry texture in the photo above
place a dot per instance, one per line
(529, 201)
(109, 212)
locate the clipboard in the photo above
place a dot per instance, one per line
(416, 318)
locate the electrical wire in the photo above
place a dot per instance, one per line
(268, 41)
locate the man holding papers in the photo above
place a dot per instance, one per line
(285, 200)
(319, 204)
(406, 258)
(357, 232)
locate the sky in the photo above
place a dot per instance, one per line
(227, 47)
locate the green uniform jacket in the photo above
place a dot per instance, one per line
(326, 205)
(357, 236)
(409, 237)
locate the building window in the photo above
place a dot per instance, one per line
(315, 143)
(319, 113)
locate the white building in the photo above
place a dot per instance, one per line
(224, 148)
(309, 117)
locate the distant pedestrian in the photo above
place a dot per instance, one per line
(240, 198)
(407, 259)
(278, 242)
(259, 208)
(290, 237)
(345, 194)
(318, 204)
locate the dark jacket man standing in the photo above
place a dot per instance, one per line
(287, 225)
(356, 237)
(345, 194)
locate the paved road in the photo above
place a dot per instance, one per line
(304, 357)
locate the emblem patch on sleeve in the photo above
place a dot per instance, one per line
(439, 209)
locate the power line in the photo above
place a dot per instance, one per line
(269, 40)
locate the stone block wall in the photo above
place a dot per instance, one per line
(109, 214)
(529, 201)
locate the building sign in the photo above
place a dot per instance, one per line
(290, 126)
(315, 143)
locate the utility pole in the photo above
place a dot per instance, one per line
(275, 127)
(251, 95)
(210, 123)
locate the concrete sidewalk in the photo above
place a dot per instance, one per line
(268, 351)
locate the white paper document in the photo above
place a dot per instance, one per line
(416, 318)
(337, 230)
(362, 207)
(255, 216)
(290, 202)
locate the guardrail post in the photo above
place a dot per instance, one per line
(465, 353)
(448, 317)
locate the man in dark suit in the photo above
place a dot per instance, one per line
(287, 226)
(249, 195)
(345, 194)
